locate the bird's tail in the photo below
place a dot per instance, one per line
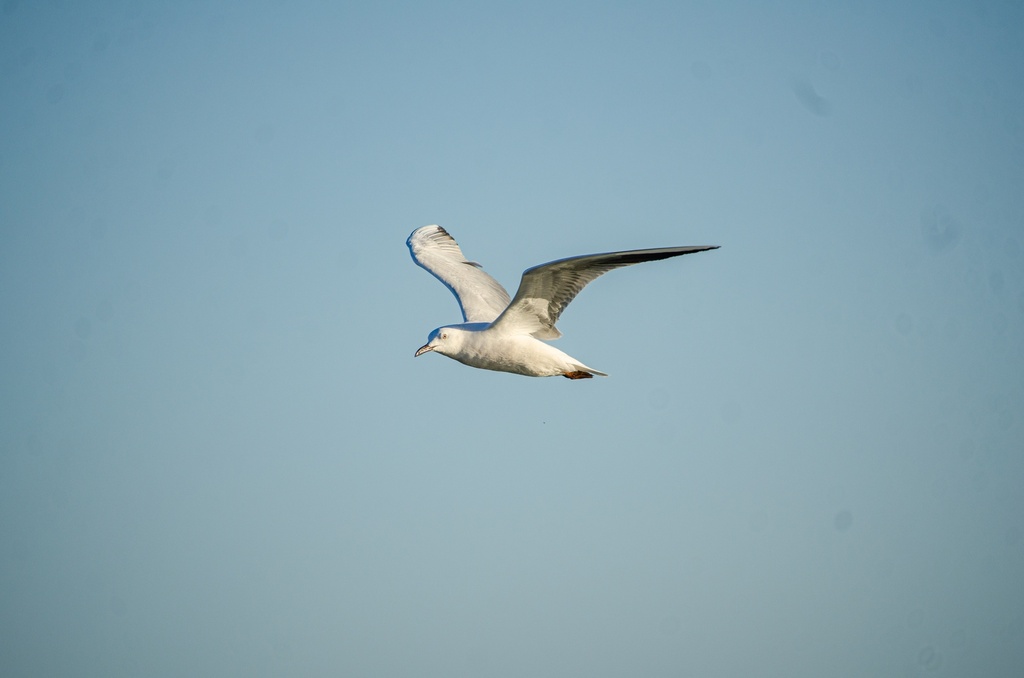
(581, 371)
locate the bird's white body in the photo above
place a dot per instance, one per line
(486, 347)
(502, 333)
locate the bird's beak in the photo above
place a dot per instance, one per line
(423, 349)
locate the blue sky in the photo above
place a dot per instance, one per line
(219, 456)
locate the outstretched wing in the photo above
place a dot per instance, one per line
(546, 290)
(481, 297)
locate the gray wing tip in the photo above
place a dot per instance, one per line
(624, 257)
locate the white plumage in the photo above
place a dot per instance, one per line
(502, 333)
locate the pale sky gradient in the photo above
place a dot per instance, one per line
(218, 456)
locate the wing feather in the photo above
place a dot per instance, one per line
(546, 290)
(481, 297)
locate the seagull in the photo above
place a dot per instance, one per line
(504, 333)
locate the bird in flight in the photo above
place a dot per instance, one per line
(504, 333)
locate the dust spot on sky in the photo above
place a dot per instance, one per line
(938, 28)
(966, 448)
(1014, 125)
(659, 398)
(83, 328)
(238, 247)
(671, 625)
(929, 658)
(996, 282)
(940, 231)
(951, 329)
(278, 229)
(732, 412)
(55, 94)
(904, 324)
(72, 71)
(883, 569)
(830, 61)
(256, 318)
(213, 215)
(912, 85)
(843, 520)
(27, 56)
(265, 133)
(104, 311)
(1011, 247)
(100, 43)
(98, 229)
(1004, 420)
(753, 136)
(165, 170)
(1000, 323)
(78, 350)
(810, 99)
(117, 605)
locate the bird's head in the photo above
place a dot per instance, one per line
(442, 340)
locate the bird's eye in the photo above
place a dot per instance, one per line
(444, 335)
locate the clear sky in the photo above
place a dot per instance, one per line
(219, 456)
